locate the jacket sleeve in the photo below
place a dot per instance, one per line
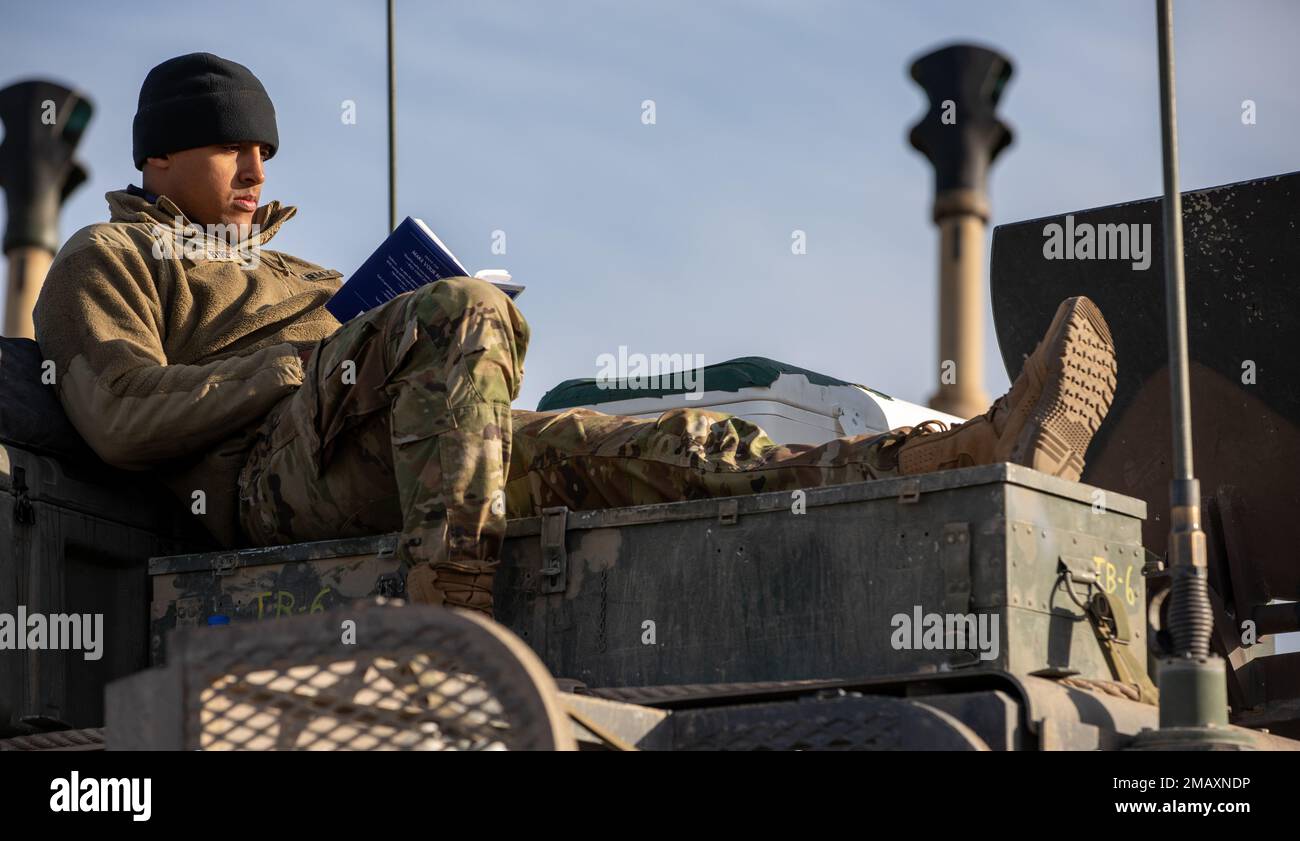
(100, 319)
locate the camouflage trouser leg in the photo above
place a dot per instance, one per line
(403, 417)
(584, 460)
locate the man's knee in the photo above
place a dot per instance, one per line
(468, 305)
(471, 290)
(472, 321)
(458, 295)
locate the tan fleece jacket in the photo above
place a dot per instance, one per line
(167, 363)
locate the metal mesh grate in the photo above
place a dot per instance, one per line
(848, 723)
(413, 678)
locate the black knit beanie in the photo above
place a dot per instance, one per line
(201, 100)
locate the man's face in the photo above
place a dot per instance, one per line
(211, 184)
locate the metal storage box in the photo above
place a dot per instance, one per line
(266, 583)
(74, 535)
(774, 586)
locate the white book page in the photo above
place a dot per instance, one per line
(441, 244)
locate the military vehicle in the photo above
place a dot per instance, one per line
(983, 608)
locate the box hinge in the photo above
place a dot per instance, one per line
(956, 568)
(555, 557)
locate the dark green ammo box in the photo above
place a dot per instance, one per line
(838, 581)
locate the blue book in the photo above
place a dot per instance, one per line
(411, 257)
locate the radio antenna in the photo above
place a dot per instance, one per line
(1193, 695)
(392, 126)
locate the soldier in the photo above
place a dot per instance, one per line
(233, 383)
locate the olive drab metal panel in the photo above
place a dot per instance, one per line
(278, 581)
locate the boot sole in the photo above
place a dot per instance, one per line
(1079, 385)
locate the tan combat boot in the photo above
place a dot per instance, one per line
(1047, 418)
(453, 584)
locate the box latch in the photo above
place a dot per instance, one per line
(225, 564)
(555, 557)
(909, 491)
(956, 568)
(23, 511)
(1105, 611)
(728, 511)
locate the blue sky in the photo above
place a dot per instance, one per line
(771, 117)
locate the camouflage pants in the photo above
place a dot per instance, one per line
(403, 423)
